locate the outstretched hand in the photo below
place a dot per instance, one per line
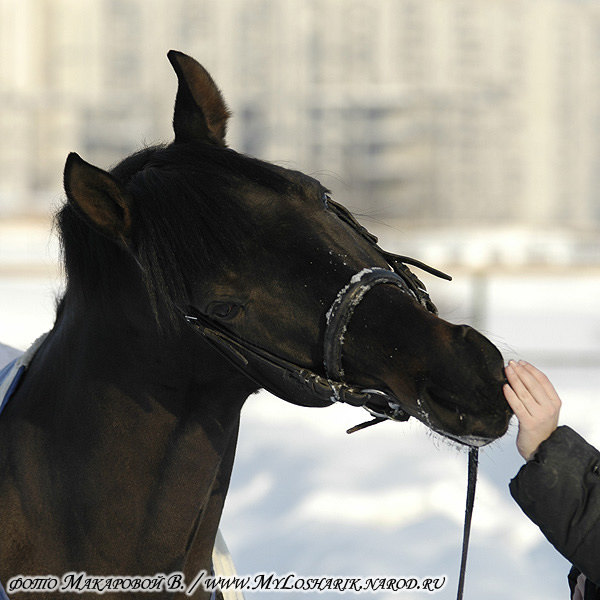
(535, 403)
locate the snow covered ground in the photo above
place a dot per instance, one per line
(309, 499)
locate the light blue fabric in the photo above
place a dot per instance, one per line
(9, 372)
(7, 353)
(9, 379)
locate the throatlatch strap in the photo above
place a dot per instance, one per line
(473, 464)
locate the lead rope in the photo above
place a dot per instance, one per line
(472, 482)
(471, 485)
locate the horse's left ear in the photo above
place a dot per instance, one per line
(200, 111)
(98, 197)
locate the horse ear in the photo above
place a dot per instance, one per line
(98, 197)
(200, 111)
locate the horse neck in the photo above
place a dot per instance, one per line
(141, 434)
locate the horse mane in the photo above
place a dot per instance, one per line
(186, 213)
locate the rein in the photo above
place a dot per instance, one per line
(471, 485)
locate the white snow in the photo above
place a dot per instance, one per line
(308, 498)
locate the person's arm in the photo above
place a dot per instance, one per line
(559, 486)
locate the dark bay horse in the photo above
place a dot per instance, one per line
(195, 276)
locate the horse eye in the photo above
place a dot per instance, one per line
(223, 310)
(325, 198)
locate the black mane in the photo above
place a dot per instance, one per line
(186, 209)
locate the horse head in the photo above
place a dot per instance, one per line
(263, 264)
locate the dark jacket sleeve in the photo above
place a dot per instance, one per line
(559, 490)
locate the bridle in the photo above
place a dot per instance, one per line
(303, 386)
(298, 384)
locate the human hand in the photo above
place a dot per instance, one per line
(535, 403)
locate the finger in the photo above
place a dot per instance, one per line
(543, 380)
(517, 395)
(514, 401)
(517, 384)
(532, 384)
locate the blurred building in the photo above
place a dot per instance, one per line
(426, 111)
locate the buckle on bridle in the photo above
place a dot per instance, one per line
(390, 411)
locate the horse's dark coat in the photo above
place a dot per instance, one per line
(117, 449)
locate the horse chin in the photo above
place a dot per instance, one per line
(447, 419)
(472, 441)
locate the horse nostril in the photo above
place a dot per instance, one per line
(472, 336)
(464, 330)
(483, 351)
